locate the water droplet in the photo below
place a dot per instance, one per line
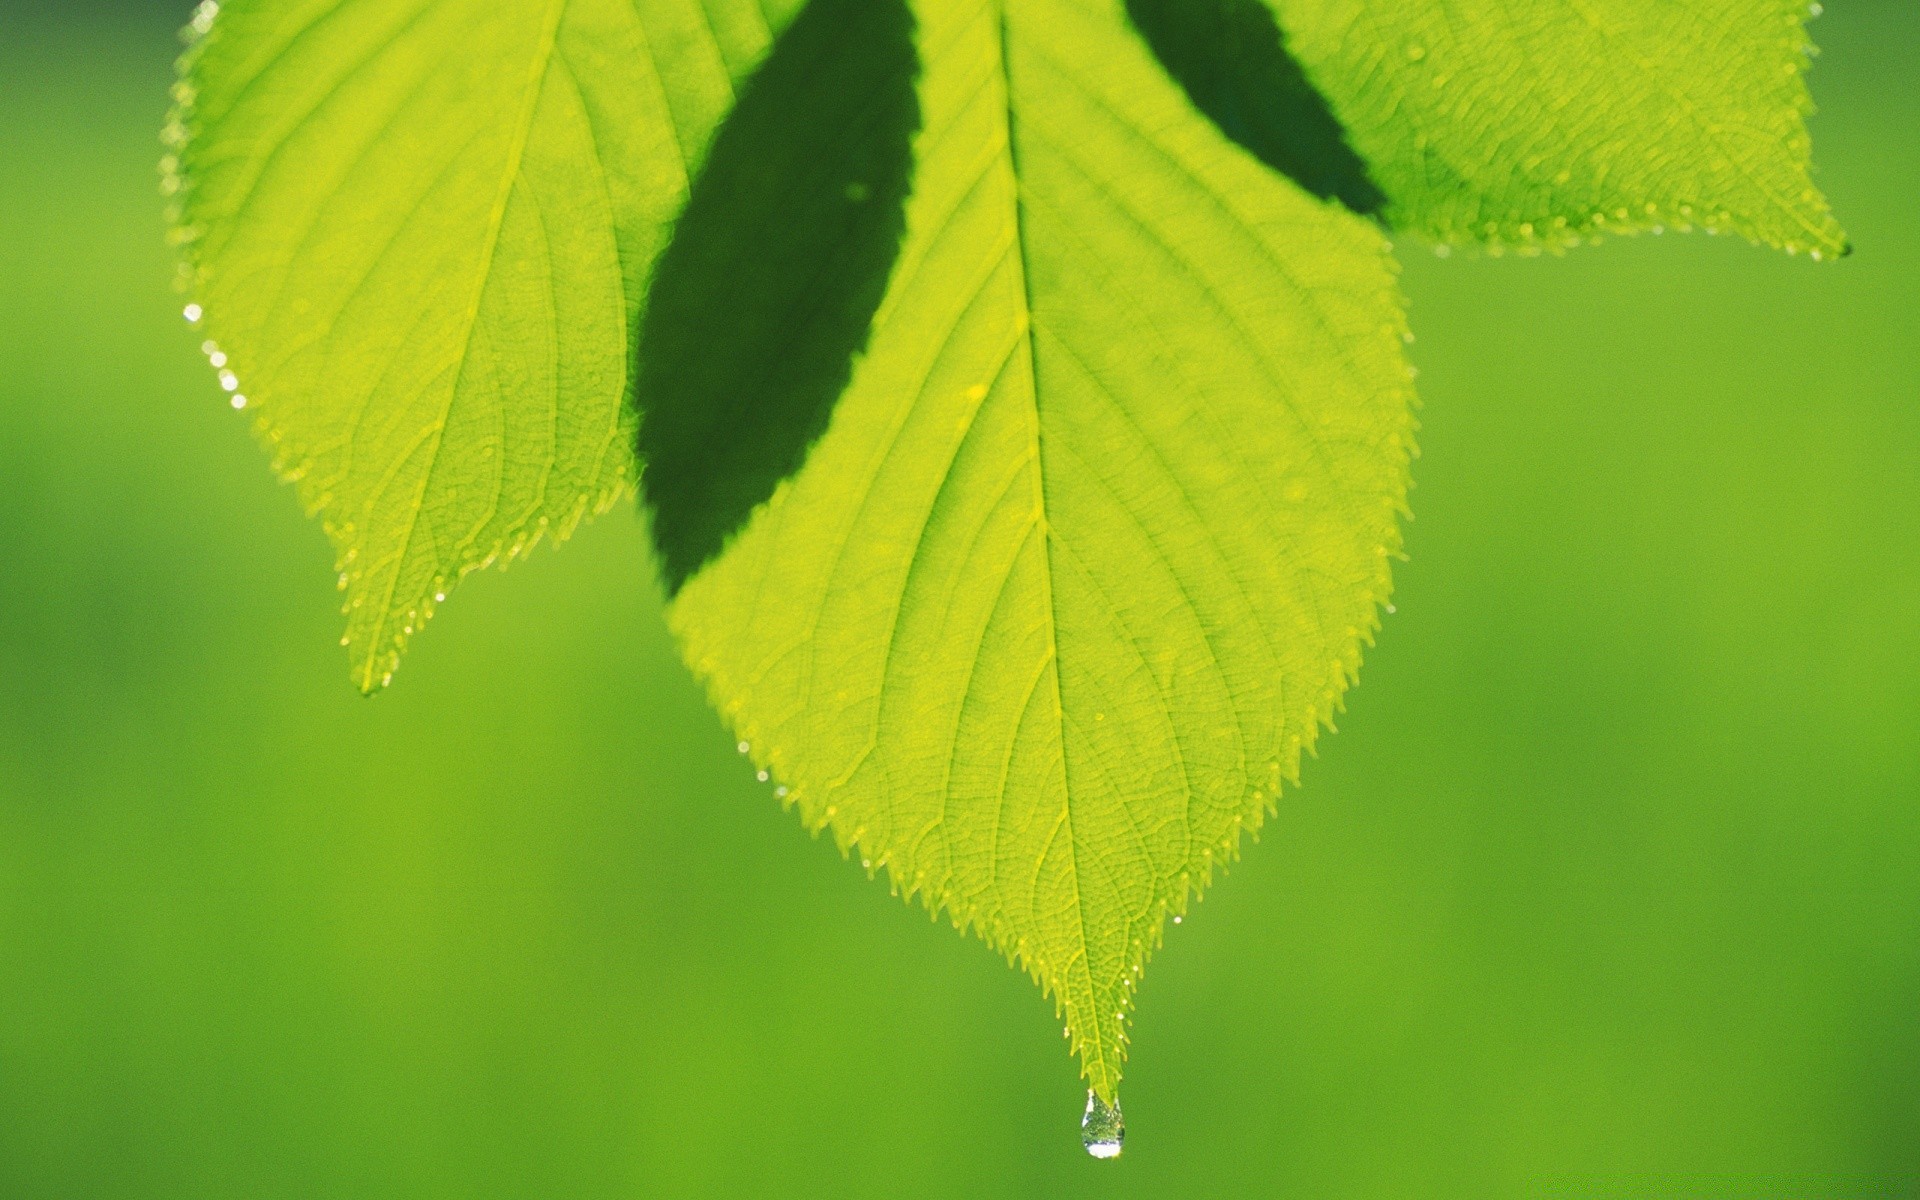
(238, 401)
(762, 776)
(743, 747)
(201, 22)
(1178, 919)
(193, 313)
(1102, 1131)
(229, 381)
(439, 597)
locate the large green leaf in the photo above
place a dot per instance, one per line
(1536, 122)
(1090, 547)
(420, 232)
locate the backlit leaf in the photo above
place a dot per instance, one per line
(420, 232)
(1538, 121)
(1091, 546)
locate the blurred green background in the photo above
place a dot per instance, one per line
(1609, 886)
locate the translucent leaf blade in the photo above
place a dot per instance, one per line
(419, 233)
(1091, 546)
(1540, 122)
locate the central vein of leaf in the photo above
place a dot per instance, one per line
(1100, 1072)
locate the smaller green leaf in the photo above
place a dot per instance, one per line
(1540, 122)
(419, 234)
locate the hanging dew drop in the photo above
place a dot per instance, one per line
(1102, 1131)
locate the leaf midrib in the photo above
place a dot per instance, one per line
(1094, 1039)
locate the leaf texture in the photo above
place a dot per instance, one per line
(419, 234)
(1546, 121)
(1090, 547)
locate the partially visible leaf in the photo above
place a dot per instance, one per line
(1540, 121)
(420, 231)
(1091, 546)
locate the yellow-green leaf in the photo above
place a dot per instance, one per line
(1090, 547)
(419, 234)
(1538, 121)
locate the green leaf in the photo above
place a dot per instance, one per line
(420, 232)
(1544, 121)
(1090, 547)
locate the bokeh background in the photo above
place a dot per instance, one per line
(1610, 884)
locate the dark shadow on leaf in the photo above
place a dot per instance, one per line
(1232, 59)
(767, 293)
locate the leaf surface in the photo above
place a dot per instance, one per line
(1531, 121)
(1091, 545)
(420, 232)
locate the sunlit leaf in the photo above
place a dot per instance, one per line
(1537, 121)
(420, 232)
(1091, 546)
